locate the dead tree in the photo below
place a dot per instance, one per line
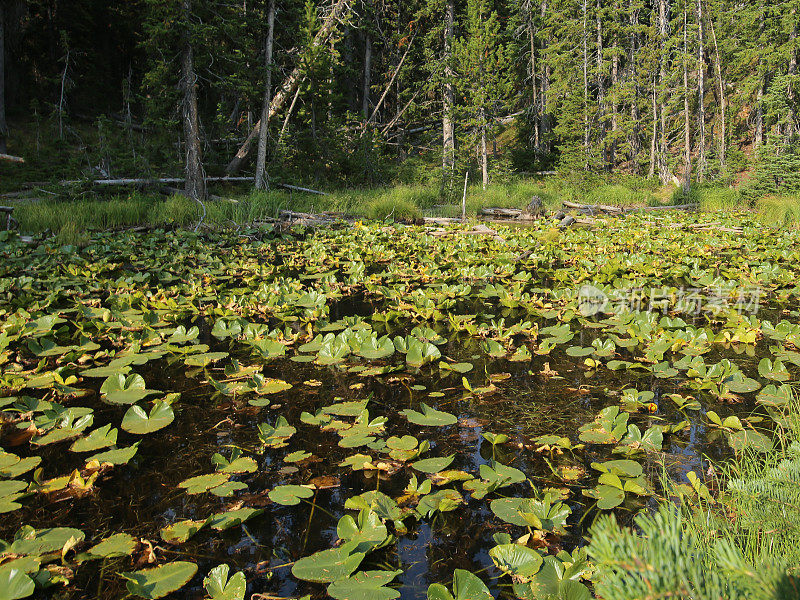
(291, 84)
(195, 177)
(262, 182)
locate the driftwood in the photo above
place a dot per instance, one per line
(594, 208)
(693, 206)
(169, 180)
(509, 213)
(291, 84)
(10, 158)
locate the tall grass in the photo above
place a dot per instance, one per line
(400, 202)
(781, 210)
(758, 510)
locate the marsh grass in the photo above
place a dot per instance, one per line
(783, 210)
(759, 508)
(85, 211)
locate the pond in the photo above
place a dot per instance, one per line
(366, 411)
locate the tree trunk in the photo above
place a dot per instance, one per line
(448, 100)
(484, 151)
(534, 96)
(652, 171)
(634, 46)
(367, 75)
(585, 86)
(687, 139)
(661, 154)
(262, 179)
(791, 126)
(195, 178)
(721, 88)
(291, 83)
(3, 124)
(759, 137)
(545, 88)
(601, 88)
(701, 95)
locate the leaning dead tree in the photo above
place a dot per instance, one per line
(292, 82)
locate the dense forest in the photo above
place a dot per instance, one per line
(369, 91)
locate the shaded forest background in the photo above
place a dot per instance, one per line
(407, 91)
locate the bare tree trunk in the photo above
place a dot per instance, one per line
(759, 137)
(652, 171)
(195, 177)
(544, 122)
(634, 46)
(791, 126)
(484, 151)
(367, 75)
(601, 88)
(585, 86)
(290, 85)
(687, 140)
(661, 154)
(3, 124)
(721, 89)
(262, 179)
(701, 94)
(448, 100)
(534, 97)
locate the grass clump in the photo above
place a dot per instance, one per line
(780, 209)
(383, 208)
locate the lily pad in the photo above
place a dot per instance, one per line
(429, 417)
(289, 495)
(138, 422)
(160, 581)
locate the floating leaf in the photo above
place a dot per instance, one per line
(220, 587)
(119, 544)
(429, 417)
(118, 456)
(160, 581)
(102, 437)
(180, 532)
(328, 566)
(226, 520)
(365, 585)
(138, 422)
(521, 562)
(433, 465)
(289, 495)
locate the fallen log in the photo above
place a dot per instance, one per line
(291, 84)
(15, 159)
(169, 180)
(692, 206)
(510, 213)
(594, 208)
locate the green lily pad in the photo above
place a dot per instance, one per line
(433, 465)
(328, 566)
(180, 532)
(138, 422)
(289, 495)
(429, 417)
(118, 456)
(220, 587)
(365, 585)
(160, 581)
